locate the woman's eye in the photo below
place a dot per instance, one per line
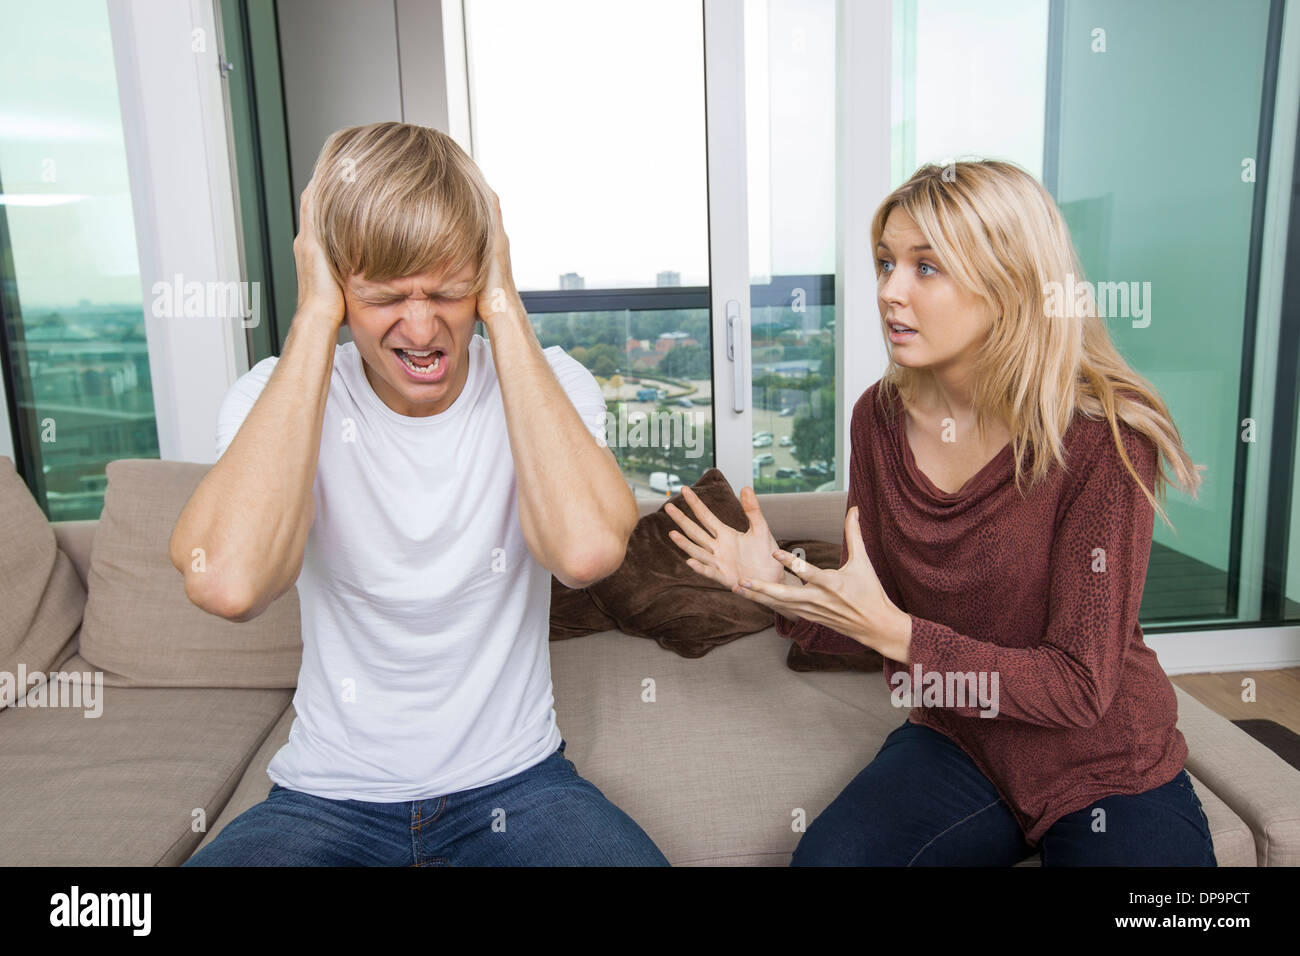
(926, 265)
(882, 263)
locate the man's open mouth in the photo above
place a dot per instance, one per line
(421, 363)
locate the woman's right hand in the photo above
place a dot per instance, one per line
(319, 294)
(722, 553)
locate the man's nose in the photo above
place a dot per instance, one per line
(421, 319)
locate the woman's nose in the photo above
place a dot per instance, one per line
(892, 288)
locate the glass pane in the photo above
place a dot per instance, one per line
(1173, 238)
(969, 79)
(588, 121)
(77, 359)
(250, 43)
(654, 367)
(790, 132)
(1166, 245)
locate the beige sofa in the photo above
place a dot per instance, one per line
(714, 769)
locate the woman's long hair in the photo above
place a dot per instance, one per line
(999, 235)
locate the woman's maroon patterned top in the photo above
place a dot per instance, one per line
(1044, 590)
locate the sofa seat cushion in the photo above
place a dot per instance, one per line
(735, 742)
(732, 744)
(121, 789)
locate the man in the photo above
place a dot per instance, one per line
(419, 486)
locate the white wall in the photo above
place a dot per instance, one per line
(174, 130)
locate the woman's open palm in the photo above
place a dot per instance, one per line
(722, 553)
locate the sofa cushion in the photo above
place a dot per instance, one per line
(655, 594)
(734, 743)
(574, 613)
(41, 594)
(127, 787)
(140, 628)
(731, 745)
(1258, 785)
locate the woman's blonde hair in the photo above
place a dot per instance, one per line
(394, 199)
(999, 235)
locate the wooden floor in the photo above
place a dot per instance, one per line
(1180, 587)
(1277, 695)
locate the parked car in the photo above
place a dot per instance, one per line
(663, 482)
(786, 412)
(786, 473)
(787, 441)
(762, 441)
(817, 469)
(764, 459)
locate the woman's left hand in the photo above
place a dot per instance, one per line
(849, 600)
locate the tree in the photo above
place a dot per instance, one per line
(686, 361)
(814, 435)
(695, 432)
(602, 359)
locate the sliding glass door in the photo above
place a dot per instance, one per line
(72, 329)
(1154, 155)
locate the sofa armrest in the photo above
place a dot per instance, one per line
(1259, 786)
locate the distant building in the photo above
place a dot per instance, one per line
(571, 280)
(670, 340)
(645, 359)
(798, 368)
(668, 278)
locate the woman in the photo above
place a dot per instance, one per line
(1002, 489)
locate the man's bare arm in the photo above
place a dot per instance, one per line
(253, 510)
(575, 508)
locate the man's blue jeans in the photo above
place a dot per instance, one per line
(923, 802)
(546, 815)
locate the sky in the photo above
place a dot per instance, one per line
(588, 122)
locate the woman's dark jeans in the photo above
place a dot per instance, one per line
(923, 802)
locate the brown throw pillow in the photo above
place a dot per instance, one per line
(655, 594)
(41, 595)
(824, 554)
(574, 613)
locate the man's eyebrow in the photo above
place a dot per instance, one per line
(387, 291)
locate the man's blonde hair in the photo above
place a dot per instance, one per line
(395, 199)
